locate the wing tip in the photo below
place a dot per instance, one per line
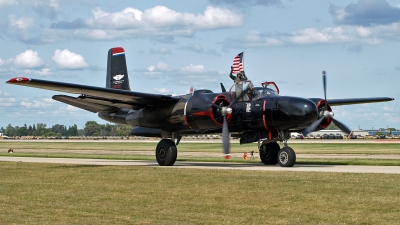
(18, 80)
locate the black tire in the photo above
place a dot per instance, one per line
(166, 152)
(269, 154)
(286, 157)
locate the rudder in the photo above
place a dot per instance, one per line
(117, 72)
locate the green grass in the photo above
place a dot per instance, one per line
(303, 148)
(32, 193)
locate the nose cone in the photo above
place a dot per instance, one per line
(295, 113)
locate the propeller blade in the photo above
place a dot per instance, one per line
(217, 106)
(223, 88)
(324, 84)
(343, 127)
(311, 128)
(225, 129)
(225, 138)
(240, 96)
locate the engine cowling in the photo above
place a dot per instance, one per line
(321, 110)
(201, 113)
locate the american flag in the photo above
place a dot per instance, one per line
(238, 63)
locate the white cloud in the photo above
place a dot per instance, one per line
(1, 62)
(44, 72)
(128, 17)
(161, 90)
(8, 2)
(71, 108)
(48, 100)
(193, 68)
(151, 68)
(28, 60)
(158, 20)
(259, 40)
(66, 59)
(326, 35)
(47, 8)
(163, 51)
(7, 102)
(372, 35)
(22, 23)
(42, 103)
(338, 13)
(166, 68)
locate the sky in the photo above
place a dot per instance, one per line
(173, 45)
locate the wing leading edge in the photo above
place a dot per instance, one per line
(351, 101)
(97, 99)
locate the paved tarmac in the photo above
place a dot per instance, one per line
(213, 165)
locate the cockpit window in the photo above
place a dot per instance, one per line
(260, 92)
(252, 93)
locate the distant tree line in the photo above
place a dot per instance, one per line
(92, 128)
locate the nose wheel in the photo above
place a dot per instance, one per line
(286, 157)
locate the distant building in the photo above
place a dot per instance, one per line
(354, 132)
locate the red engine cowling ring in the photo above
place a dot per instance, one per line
(325, 123)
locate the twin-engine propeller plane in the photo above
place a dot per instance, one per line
(263, 116)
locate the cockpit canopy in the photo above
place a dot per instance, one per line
(254, 93)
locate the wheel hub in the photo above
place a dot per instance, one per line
(283, 157)
(162, 153)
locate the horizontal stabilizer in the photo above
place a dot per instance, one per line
(82, 104)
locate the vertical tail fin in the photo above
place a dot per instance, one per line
(117, 72)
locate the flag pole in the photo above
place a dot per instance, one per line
(243, 61)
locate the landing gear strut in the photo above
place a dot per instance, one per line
(286, 156)
(271, 153)
(166, 152)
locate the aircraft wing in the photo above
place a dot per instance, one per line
(352, 101)
(97, 99)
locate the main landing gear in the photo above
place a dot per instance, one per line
(271, 154)
(166, 152)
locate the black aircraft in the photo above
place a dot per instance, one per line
(257, 114)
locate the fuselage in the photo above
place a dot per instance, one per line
(195, 113)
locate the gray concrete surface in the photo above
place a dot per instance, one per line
(213, 165)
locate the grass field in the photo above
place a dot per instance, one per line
(302, 148)
(76, 194)
(34, 193)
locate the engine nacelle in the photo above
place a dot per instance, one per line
(320, 106)
(197, 112)
(203, 112)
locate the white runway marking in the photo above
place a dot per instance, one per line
(214, 165)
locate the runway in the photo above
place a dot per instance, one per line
(213, 165)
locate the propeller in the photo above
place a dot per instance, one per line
(225, 110)
(222, 87)
(191, 90)
(324, 115)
